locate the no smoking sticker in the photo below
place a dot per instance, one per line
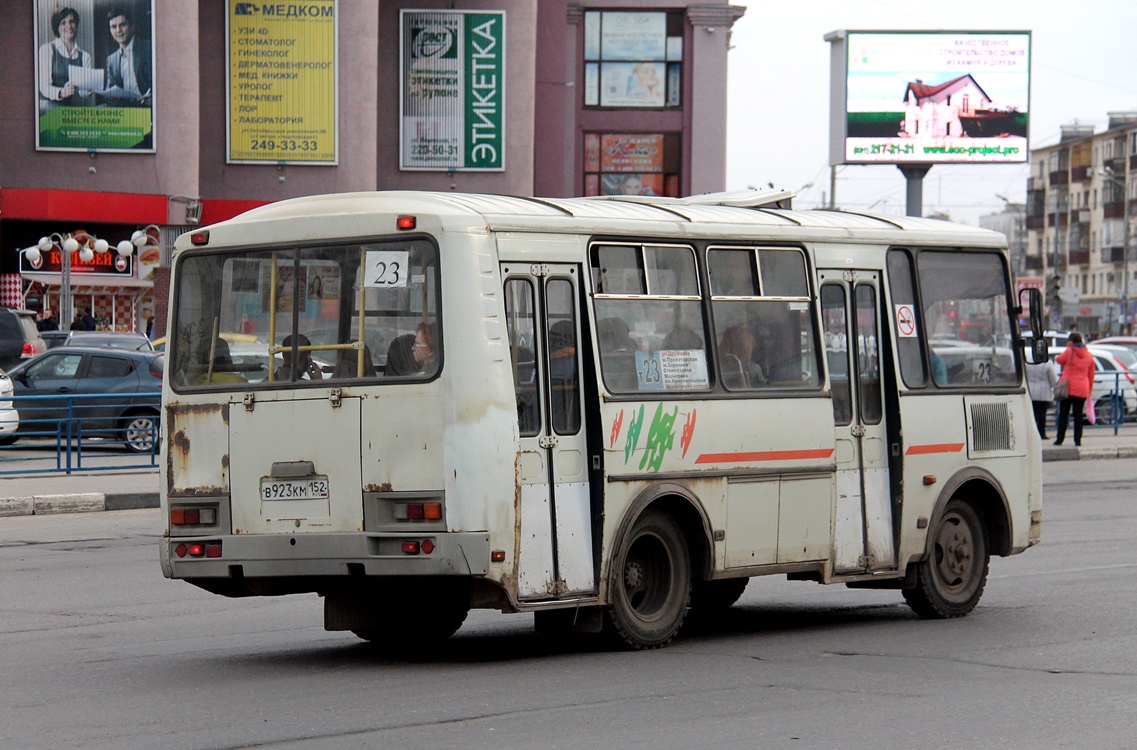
(905, 321)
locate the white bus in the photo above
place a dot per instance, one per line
(602, 411)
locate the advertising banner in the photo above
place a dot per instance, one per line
(282, 83)
(452, 99)
(932, 97)
(94, 68)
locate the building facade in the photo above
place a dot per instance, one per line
(164, 115)
(1081, 206)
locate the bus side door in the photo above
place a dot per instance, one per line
(851, 324)
(555, 556)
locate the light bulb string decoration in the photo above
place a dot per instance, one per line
(81, 243)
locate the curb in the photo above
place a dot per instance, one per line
(80, 502)
(1074, 453)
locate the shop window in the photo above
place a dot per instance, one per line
(632, 59)
(631, 164)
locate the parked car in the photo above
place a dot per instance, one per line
(1128, 342)
(1056, 340)
(1114, 368)
(19, 339)
(76, 372)
(9, 417)
(113, 339)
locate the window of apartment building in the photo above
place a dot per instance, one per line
(632, 59)
(631, 164)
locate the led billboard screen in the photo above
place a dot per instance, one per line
(930, 97)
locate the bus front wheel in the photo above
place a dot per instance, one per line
(653, 584)
(950, 581)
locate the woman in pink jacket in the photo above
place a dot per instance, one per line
(1078, 370)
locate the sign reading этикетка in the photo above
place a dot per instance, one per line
(452, 100)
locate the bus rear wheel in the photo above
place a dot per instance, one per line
(950, 581)
(653, 584)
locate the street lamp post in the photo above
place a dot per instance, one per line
(86, 245)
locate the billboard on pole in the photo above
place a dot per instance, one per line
(929, 97)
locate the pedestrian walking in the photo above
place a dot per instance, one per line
(1078, 373)
(1041, 377)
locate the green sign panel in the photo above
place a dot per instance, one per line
(453, 91)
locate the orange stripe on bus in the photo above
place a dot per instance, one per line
(718, 458)
(917, 450)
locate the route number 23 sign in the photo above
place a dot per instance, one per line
(386, 268)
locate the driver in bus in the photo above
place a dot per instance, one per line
(305, 368)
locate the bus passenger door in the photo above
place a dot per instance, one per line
(851, 323)
(555, 557)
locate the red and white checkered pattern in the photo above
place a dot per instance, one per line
(10, 290)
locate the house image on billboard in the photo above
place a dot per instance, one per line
(959, 107)
(934, 111)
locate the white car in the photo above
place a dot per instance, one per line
(9, 417)
(1115, 372)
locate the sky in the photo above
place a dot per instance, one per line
(1082, 68)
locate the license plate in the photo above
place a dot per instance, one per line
(309, 488)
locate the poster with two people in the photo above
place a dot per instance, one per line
(94, 75)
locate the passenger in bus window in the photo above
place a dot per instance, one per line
(347, 363)
(617, 354)
(682, 338)
(400, 356)
(736, 349)
(222, 370)
(424, 348)
(305, 368)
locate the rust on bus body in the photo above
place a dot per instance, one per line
(185, 420)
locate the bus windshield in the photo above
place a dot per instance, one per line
(295, 315)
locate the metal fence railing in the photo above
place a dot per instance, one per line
(84, 432)
(1115, 402)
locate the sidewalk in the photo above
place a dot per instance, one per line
(42, 494)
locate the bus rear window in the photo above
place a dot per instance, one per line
(300, 315)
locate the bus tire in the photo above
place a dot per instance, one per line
(652, 585)
(950, 581)
(708, 596)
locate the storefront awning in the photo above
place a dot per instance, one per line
(95, 283)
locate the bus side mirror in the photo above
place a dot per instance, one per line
(1039, 350)
(1033, 303)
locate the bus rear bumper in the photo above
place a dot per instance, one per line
(325, 555)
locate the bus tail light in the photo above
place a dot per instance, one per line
(418, 511)
(406, 222)
(198, 549)
(193, 516)
(414, 547)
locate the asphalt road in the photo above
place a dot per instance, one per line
(101, 652)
